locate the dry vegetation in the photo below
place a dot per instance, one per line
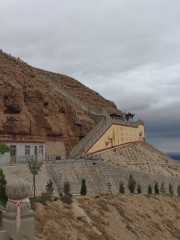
(112, 217)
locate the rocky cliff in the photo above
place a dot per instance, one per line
(33, 105)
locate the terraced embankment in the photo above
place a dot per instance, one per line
(142, 157)
(146, 163)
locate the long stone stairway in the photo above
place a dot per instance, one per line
(91, 137)
(73, 99)
(95, 133)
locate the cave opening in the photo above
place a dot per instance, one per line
(45, 104)
(5, 97)
(11, 110)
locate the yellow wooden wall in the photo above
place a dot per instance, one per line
(117, 135)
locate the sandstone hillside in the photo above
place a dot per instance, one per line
(32, 105)
(117, 217)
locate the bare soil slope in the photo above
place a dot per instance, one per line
(142, 157)
(116, 217)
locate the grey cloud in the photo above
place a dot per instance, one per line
(128, 51)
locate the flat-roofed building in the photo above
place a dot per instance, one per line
(21, 151)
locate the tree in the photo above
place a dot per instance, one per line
(121, 188)
(149, 189)
(67, 188)
(4, 148)
(156, 188)
(34, 167)
(83, 187)
(131, 184)
(171, 189)
(139, 190)
(162, 188)
(3, 182)
(49, 188)
(178, 190)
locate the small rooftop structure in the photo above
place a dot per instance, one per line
(116, 116)
(129, 116)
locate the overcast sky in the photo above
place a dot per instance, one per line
(127, 50)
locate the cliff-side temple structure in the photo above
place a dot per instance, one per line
(112, 131)
(47, 116)
(74, 131)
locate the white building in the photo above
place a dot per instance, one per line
(23, 150)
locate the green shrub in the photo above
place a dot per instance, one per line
(33, 201)
(149, 189)
(4, 148)
(139, 190)
(156, 188)
(45, 196)
(131, 184)
(178, 190)
(67, 188)
(66, 199)
(121, 188)
(60, 194)
(83, 187)
(49, 188)
(162, 188)
(3, 182)
(56, 198)
(171, 189)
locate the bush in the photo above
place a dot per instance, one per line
(4, 148)
(45, 196)
(43, 199)
(66, 199)
(139, 190)
(171, 189)
(121, 188)
(67, 188)
(56, 198)
(156, 188)
(33, 201)
(49, 188)
(131, 184)
(162, 188)
(3, 182)
(83, 187)
(60, 194)
(149, 189)
(178, 190)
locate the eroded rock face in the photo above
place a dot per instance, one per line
(32, 108)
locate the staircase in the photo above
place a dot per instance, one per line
(95, 133)
(91, 137)
(85, 107)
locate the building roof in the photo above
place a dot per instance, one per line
(21, 141)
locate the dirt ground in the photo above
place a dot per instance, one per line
(112, 217)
